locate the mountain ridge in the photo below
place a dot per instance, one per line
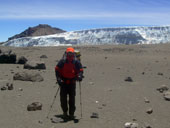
(116, 35)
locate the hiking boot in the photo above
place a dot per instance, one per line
(71, 117)
(65, 115)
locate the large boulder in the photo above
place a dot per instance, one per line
(7, 57)
(22, 60)
(34, 65)
(25, 76)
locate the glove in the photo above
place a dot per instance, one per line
(80, 77)
(59, 81)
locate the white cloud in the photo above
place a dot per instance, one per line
(81, 15)
(51, 12)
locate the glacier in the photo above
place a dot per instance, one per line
(100, 36)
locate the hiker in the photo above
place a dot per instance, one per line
(78, 55)
(68, 70)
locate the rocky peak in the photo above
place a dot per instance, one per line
(40, 30)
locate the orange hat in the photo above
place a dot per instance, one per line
(70, 49)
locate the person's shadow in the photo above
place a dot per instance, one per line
(63, 119)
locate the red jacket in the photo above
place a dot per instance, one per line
(68, 70)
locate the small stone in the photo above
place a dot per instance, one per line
(34, 106)
(134, 119)
(10, 86)
(162, 88)
(97, 102)
(128, 79)
(131, 125)
(167, 96)
(3, 88)
(91, 83)
(20, 89)
(94, 115)
(40, 122)
(128, 125)
(43, 56)
(110, 90)
(149, 111)
(104, 105)
(146, 100)
(160, 74)
(147, 125)
(100, 108)
(134, 125)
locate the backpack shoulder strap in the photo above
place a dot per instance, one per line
(61, 63)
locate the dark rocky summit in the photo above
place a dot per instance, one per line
(40, 30)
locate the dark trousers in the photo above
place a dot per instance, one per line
(68, 90)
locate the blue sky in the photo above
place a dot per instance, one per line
(70, 15)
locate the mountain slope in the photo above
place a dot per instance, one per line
(123, 35)
(40, 30)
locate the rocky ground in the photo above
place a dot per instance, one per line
(124, 86)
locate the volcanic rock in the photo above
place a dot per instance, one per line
(149, 111)
(3, 88)
(43, 56)
(162, 88)
(128, 79)
(7, 57)
(146, 100)
(22, 60)
(34, 106)
(8, 86)
(34, 65)
(25, 76)
(94, 115)
(131, 125)
(147, 125)
(160, 74)
(167, 96)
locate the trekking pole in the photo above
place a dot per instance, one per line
(53, 102)
(80, 98)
